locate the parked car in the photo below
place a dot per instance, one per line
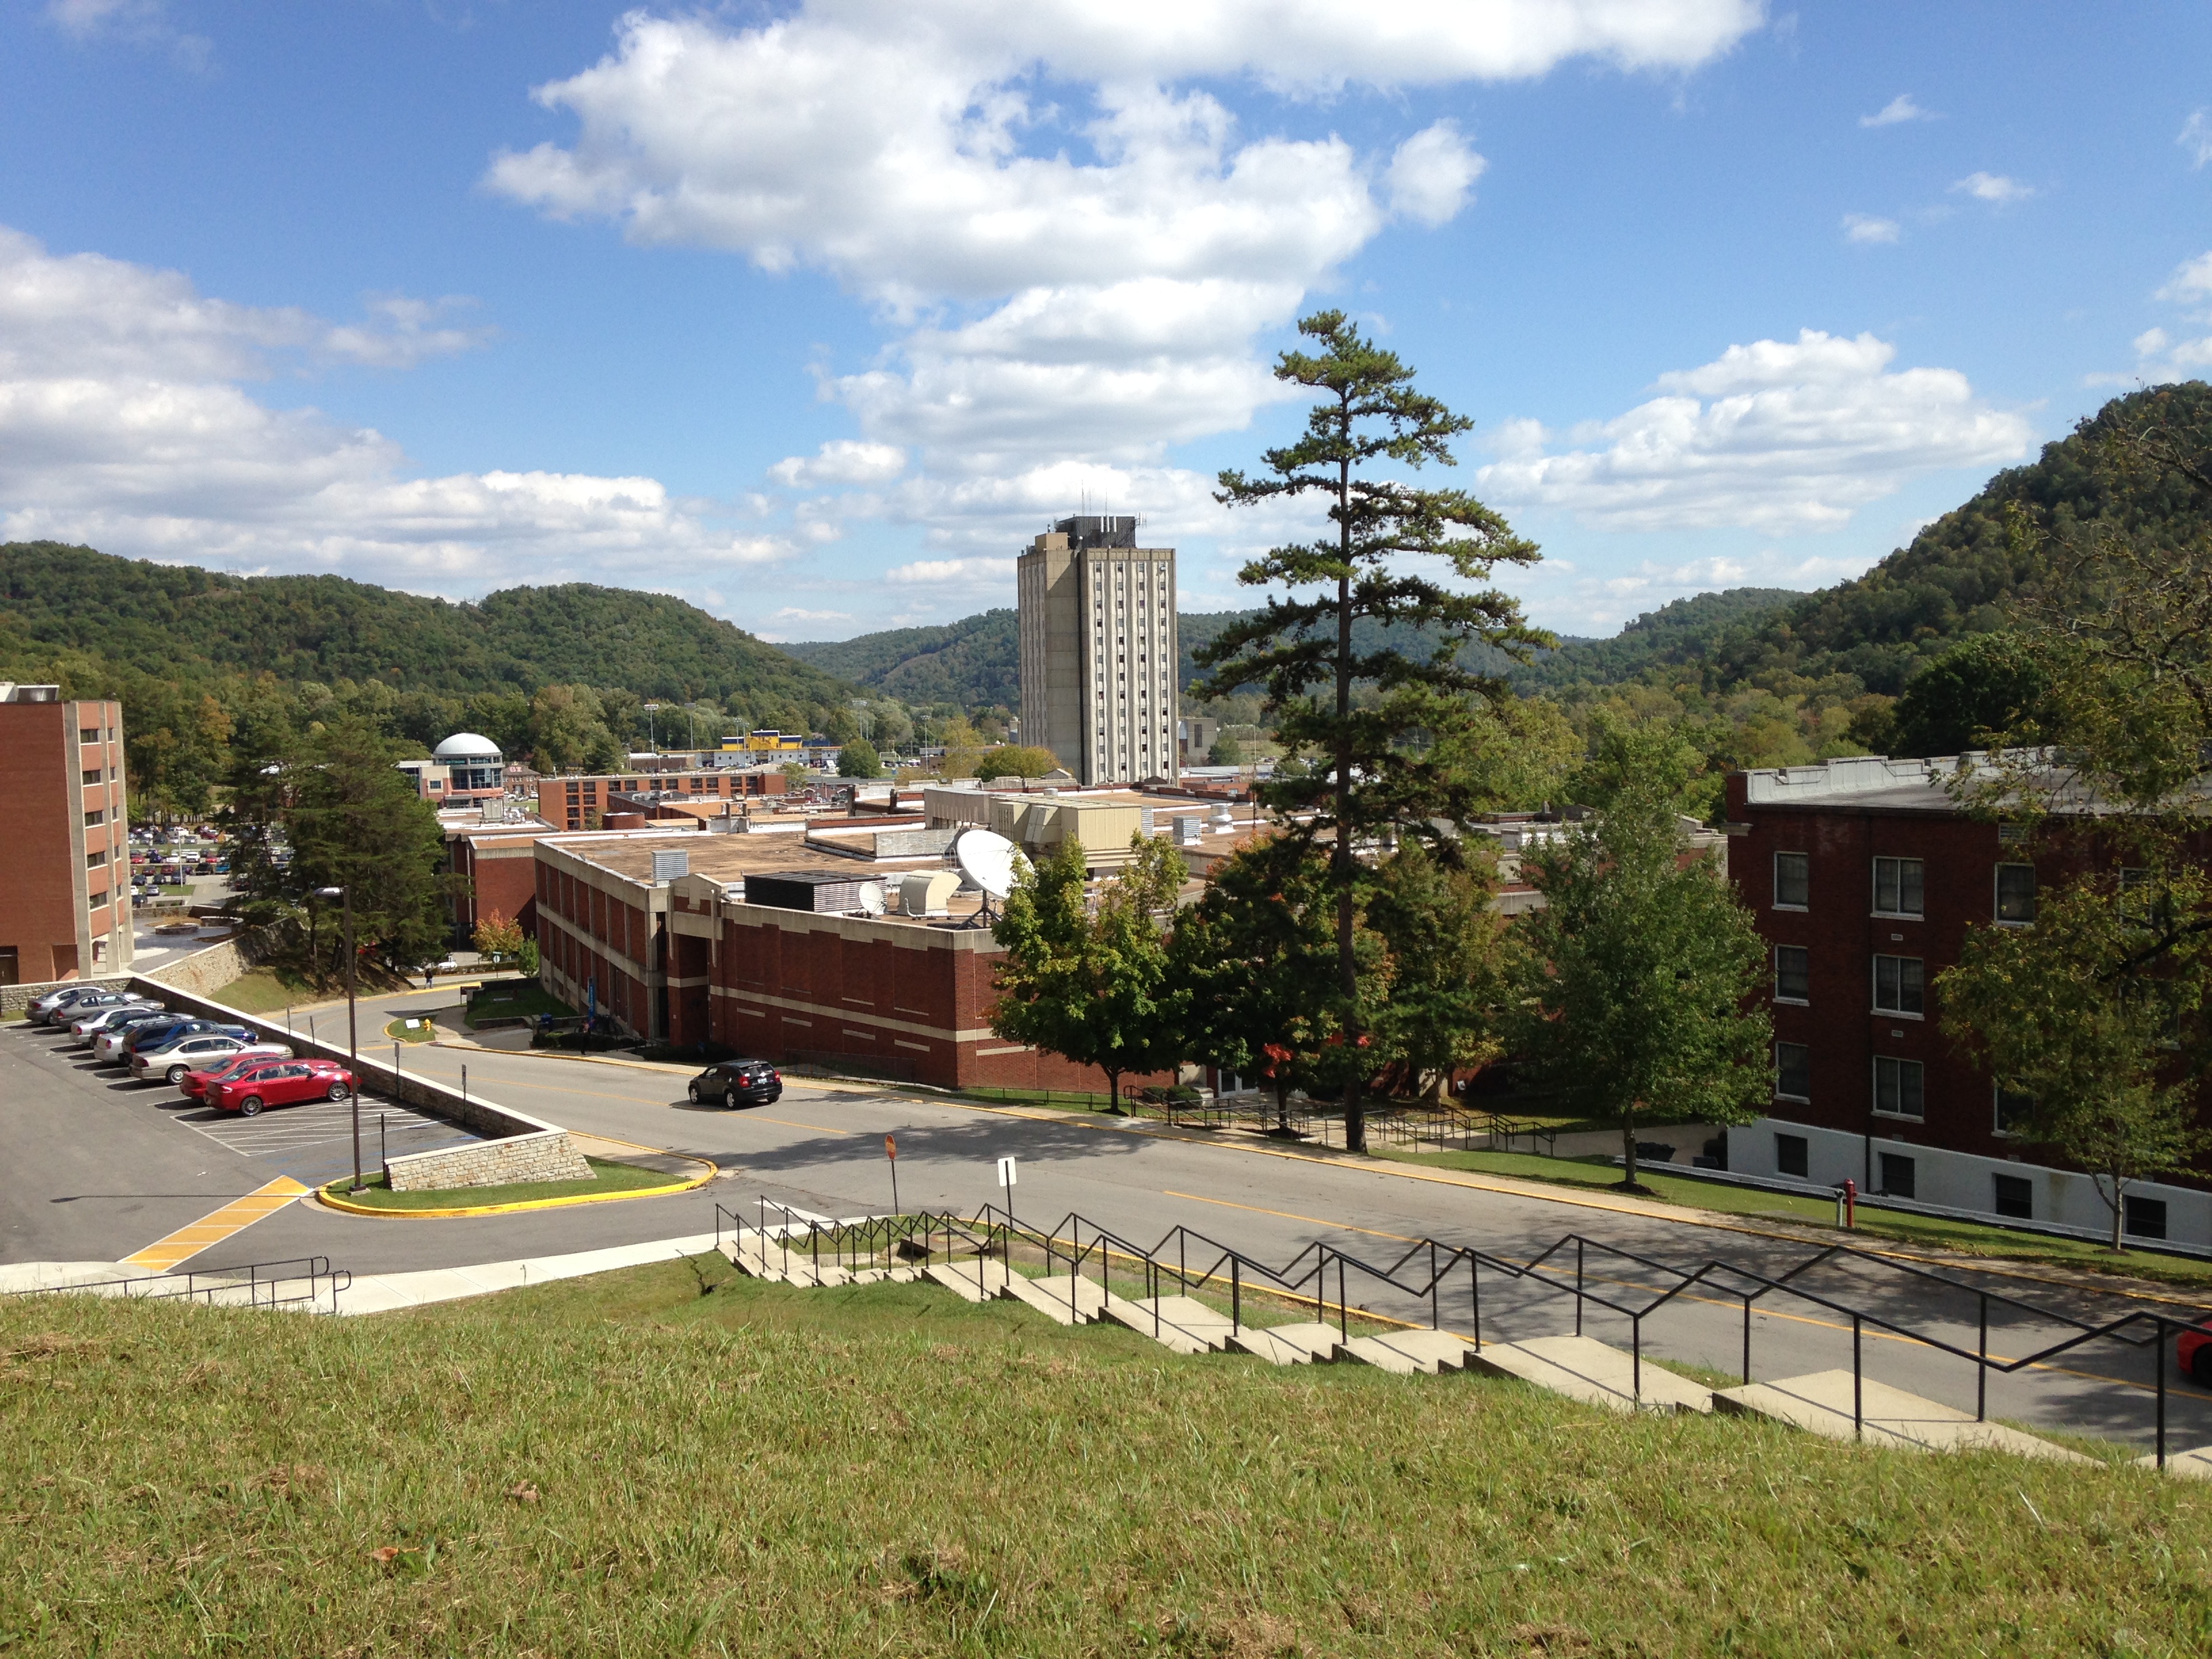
(115, 1048)
(197, 1082)
(48, 1010)
(738, 1083)
(111, 1019)
(187, 1054)
(84, 1006)
(284, 1084)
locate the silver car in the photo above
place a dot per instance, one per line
(202, 1048)
(111, 1019)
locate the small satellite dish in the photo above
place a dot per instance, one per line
(872, 898)
(986, 858)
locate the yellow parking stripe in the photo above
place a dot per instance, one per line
(233, 1218)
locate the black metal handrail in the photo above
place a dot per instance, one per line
(266, 1284)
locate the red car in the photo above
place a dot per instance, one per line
(197, 1082)
(285, 1083)
(2193, 1348)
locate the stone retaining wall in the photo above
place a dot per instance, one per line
(16, 999)
(547, 1156)
(428, 1171)
(205, 972)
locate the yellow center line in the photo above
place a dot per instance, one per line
(234, 1217)
(1288, 1215)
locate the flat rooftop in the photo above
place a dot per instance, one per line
(727, 858)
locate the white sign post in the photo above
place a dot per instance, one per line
(1006, 1180)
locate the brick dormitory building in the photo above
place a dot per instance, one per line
(1864, 876)
(65, 886)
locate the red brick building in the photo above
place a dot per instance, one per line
(581, 803)
(65, 883)
(1865, 877)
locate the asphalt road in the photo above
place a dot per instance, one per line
(99, 1170)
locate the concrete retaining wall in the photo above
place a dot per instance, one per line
(543, 1151)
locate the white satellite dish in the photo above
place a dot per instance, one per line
(987, 858)
(872, 898)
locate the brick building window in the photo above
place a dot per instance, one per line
(1899, 887)
(1793, 1071)
(1897, 1175)
(1901, 986)
(1901, 1088)
(88, 734)
(1793, 881)
(93, 820)
(1793, 973)
(2144, 1217)
(2016, 892)
(2014, 1197)
(1792, 1156)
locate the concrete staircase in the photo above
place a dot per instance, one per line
(1578, 1367)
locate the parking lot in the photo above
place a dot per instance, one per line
(313, 1141)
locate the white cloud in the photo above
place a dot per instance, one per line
(1774, 435)
(950, 572)
(842, 461)
(2190, 281)
(2196, 137)
(1431, 175)
(792, 613)
(1994, 188)
(123, 425)
(1898, 110)
(138, 22)
(1080, 245)
(1865, 228)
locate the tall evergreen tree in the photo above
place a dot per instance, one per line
(1380, 774)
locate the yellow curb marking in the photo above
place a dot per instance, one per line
(233, 1218)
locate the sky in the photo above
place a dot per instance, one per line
(813, 313)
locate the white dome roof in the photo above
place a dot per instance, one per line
(466, 745)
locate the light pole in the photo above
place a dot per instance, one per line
(353, 1036)
(651, 741)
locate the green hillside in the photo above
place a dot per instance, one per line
(974, 662)
(177, 620)
(1960, 573)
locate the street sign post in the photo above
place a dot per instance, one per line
(890, 1152)
(1006, 1180)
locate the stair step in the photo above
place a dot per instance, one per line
(1066, 1301)
(1288, 1345)
(2195, 1464)
(982, 1280)
(1161, 1326)
(1820, 1403)
(1408, 1352)
(1582, 1368)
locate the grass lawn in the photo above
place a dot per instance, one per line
(270, 991)
(673, 1460)
(423, 1031)
(510, 999)
(608, 1177)
(1895, 1226)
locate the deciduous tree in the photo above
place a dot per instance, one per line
(1635, 977)
(1090, 983)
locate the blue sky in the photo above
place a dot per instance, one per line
(813, 314)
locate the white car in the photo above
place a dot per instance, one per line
(194, 1054)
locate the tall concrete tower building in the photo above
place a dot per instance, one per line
(1098, 650)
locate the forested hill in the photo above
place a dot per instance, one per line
(1960, 574)
(60, 603)
(974, 662)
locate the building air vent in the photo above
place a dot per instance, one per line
(670, 863)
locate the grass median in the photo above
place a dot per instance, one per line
(1898, 1226)
(607, 1177)
(670, 1459)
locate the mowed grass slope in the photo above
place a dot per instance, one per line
(671, 1462)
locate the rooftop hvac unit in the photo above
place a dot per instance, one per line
(928, 893)
(824, 892)
(670, 863)
(1223, 820)
(1190, 830)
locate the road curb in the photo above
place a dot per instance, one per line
(327, 1196)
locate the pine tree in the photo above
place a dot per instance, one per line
(1380, 774)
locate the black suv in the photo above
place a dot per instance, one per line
(738, 1083)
